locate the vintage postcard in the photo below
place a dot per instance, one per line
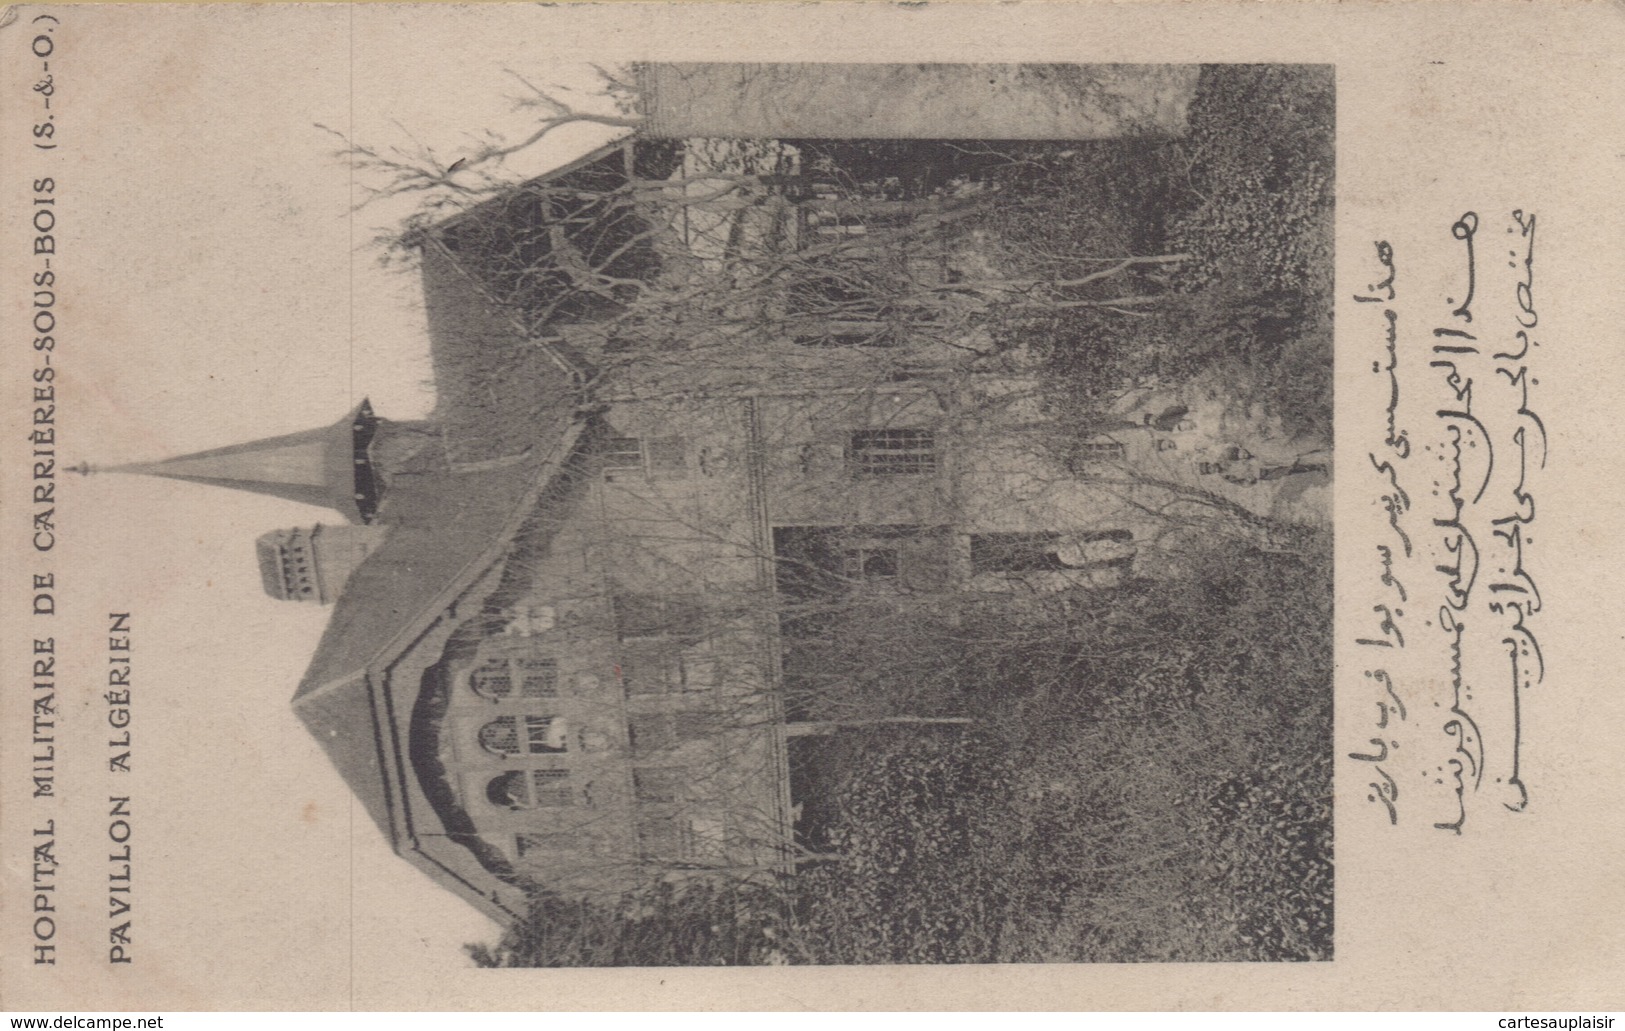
(838, 506)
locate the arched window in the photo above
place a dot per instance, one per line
(500, 736)
(530, 789)
(492, 680)
(543, 735)
(510, 790)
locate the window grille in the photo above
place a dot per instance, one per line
(492, 680)
(545, 734)
(500, 736)
(530, 789)
(510, 790)
(895, 452)
(551, 788)
(539, 678)
(623, 453)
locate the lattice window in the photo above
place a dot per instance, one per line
(509, 790)
(539, 678)
(894, 452)
(530, 789)
(545, 734)
(492, 680)
(542, 735)
(501, 736)
(551, 788)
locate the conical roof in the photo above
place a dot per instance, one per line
(327, 467)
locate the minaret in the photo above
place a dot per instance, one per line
(330, 467)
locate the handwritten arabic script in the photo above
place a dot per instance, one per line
(1446, 637)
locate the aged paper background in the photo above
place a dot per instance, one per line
(216, 288)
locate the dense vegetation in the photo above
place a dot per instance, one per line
(1244, 200)
(1165, 796)
(1147, 773)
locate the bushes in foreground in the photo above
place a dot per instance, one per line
(1171, 801)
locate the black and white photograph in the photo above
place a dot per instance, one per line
(509, 501)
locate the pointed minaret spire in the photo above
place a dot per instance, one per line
(329, 467)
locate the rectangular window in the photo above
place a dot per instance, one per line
(896, 452)
(539, 678)
(656, 671)
(651, 671)
(660, 731)
(623, 460)
(664, 836)
(700, 673)
(551, 788)
(623, 453)
(668, 458)
(659, 458)
(651, 733)
(658, 785)
(669, 837)
(643, 616)
(1013, 552)
(492, 680)
(545, 734)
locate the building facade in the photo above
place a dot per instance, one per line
(568, 650)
